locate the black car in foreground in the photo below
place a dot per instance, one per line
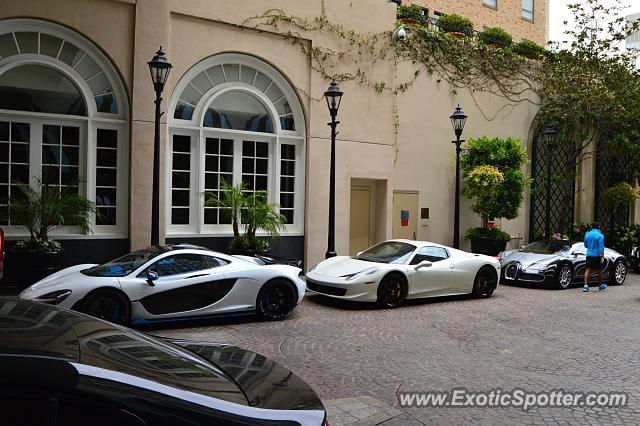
(559, 264)
(59, 367)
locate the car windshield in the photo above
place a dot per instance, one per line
(124, 265)
(547, 247)
(388, 252)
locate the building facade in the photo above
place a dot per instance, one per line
(523, 19)
(241, 104)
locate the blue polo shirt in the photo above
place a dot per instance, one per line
(594, 242)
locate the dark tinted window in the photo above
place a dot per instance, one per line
(388, 252)
(180, 264)
(546, 247)
(124, 265)
(432, 254)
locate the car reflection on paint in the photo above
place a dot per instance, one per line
(60, 367)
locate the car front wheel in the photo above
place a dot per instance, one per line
(276, 300)
(108, 305)
(564, 277)
(392, 291)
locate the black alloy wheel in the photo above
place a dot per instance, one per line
(276, 300)
(392, 291)
(485, 282)
(108, 305)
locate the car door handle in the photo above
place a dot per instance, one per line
(195, 276)
(451, 266)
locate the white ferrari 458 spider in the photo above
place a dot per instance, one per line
(173, 282)
(395, 270)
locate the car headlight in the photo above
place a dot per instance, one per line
(54, 297)
(350, 277)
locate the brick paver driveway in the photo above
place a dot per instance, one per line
(538, 340)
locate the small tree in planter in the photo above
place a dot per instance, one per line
(456, 25)
(252, 211)
(40, 210)
(411, 14)
(493, 177)
(495, 37)
(529, 49)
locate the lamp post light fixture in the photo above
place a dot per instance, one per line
(159, 68)
(333, 95)
(458, 119)
(549, 136)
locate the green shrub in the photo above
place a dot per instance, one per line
(619, 195)
(248, 242)
(411, 11)
(529, 49)
(496, 36)
(623, 238)
(494, 233)
(456, 24)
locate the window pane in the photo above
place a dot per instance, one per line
(527, 9)
(226, 147)
(106, 177)
(201, 82)
(28, 42)
(106, 216)
(262, 82)
(181, 180)
(4, 152)
(69, 175)
(181, 161)
(179, 216)
(19, 153)
(183, 111)
(40, 89)
(288, 214)
(287, 184)
(288, 152)
(491, 3)
(70, 135)
(7, 45)
(107, 138)
(239, 111)
(20, 132)
(180, 198)
(215, 74)
(106, 196)
(231, 71)
(181, 143)
(70, 54)
(49, 45)
(87, 67)
(4, 130)
(287, 168)
(212, 145)
(106, 103)
(247, 74)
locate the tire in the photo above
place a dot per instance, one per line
(563, 277)
(108, 305)
(392, 291)
(484, 283)
(619, 273)
(276, 300)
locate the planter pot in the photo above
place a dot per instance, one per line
(31, 267)
(457, 34)
(488, 246)
(409, 21)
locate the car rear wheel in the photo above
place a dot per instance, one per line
(108, 305)
(392, 291)
(619, 273)
(485, 282)
(276, 300)
(564, 277)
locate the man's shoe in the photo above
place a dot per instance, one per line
(585, 288)
(602, 287)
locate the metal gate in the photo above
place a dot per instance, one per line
(610, 169)
(559, 157)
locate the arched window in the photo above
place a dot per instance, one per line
(234, 117)
(63, 119)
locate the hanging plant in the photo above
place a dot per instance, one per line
(495, 37)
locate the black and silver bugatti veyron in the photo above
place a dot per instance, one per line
(558, 264)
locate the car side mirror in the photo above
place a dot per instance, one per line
(151, 277)
(359, 253)
(423, 264)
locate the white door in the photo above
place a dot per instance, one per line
(437, 279)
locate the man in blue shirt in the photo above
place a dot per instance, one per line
(594, 242)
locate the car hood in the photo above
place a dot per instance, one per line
(344, 265)
(67, 278)
(528, 260)
(265, 383)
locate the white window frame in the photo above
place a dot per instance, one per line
(89, 125)
(533, 11)
(194, 127)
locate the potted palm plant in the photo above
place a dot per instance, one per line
(252, 211)
(41, 209)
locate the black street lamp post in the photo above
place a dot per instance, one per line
(549, 135)
(458, 119)
(159, 68)
(333, 95)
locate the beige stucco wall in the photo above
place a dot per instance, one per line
(507, 15)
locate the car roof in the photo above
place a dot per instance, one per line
(35, 329)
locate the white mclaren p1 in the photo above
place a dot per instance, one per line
(395, 270)
(173, 282)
